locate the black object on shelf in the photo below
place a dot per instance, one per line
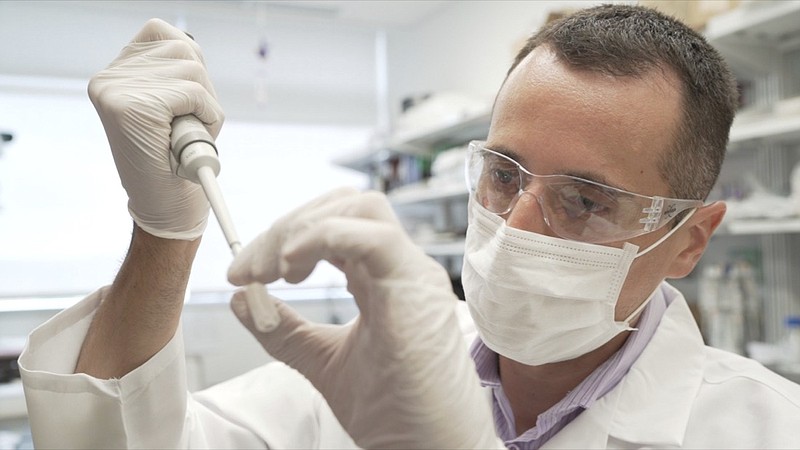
(9, 368)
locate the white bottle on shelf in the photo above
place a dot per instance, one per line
(794, 183)
(793, 343)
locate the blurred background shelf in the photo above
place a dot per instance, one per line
(424, 193)
(443, 136)
(768, 22)
(418, 142)
(761, 226)
(752, 264)
(753, 36)
(773, 127)
(444, 248)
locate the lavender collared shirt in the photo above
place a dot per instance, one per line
(597, 384)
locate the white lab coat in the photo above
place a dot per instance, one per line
(679, 393)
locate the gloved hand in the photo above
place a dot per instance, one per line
(400, 375)
(158, 76)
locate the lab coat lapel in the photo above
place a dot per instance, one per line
(651, 405)
(658, 393)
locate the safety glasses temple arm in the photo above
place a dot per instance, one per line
(662, 210)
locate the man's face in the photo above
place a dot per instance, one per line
(558, 120)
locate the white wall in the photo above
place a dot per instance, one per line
(466, 47)
(63, 221)
(64, 225)
(317, 71)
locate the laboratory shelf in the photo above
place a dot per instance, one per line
(761, 226)
(772, 127)
(444, 248)
(463, 130)
(419, 142)
(439, 201)
(752, 37)
(769, 22)
(424, 193)
(364, 159)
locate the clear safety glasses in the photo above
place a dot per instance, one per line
(573, 208)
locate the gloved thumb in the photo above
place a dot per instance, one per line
(293, 341)
(241, 310)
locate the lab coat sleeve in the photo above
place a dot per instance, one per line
(151, 408)
(145, 408)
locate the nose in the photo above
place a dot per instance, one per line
(527, 215)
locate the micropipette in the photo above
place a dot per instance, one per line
(194, 157)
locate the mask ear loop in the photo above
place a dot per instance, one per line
(666, 236)
(635, 313)
(655, 244)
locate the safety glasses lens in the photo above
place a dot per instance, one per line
(572, 207)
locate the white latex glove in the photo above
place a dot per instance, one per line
(159, 75)
(399, 376)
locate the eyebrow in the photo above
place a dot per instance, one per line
(586, 175)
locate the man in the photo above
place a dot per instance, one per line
(606, 135)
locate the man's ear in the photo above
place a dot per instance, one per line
(699, 229)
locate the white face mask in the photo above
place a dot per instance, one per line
(538, 299)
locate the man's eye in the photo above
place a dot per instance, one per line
(596, 202)
(590, 205)
(504, 176)
(577, 201)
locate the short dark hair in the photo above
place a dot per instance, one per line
(625, 40)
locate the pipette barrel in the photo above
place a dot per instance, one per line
(195, 159)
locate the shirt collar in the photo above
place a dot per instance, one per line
(486, 363)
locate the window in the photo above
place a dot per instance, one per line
(64, 225)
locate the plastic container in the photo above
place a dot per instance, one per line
(793, 340)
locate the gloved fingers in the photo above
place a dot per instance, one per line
(159, 30)
(190, 97)
(261, 256)
(261, 260)
(380, 246)
(290, 320)
(179, 97)
(170, 50)
(324, 199)
(171, 43)
(193, 93)
(346, 202)
(298, 342)
(171, 59)
(370, 205)
(178, 49)
(190, 70)
(160, 41)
